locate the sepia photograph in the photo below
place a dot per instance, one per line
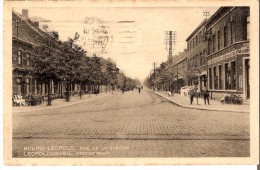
(125, 81)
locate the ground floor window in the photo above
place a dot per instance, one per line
(220, 76)
(227, 76)
(210, 78)
(215, 78)
(230, 75)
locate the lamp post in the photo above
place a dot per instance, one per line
(208, 39)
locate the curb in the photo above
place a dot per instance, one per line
(175, 103)
(55, 107)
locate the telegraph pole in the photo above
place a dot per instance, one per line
(170, 39)
(207, 36)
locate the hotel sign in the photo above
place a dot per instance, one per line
(243, 50)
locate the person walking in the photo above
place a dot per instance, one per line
(206, 96)
(139, 89)
(191, 95)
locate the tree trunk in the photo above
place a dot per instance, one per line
(67, 91)
(80, 92)
(49, 93)
(61, 89)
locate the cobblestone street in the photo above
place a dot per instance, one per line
(130, 125)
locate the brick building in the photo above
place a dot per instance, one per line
(196, 57)
(180, 71)
(228, 59)
(26, 34)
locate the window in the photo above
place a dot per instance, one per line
(196, 39)
(225, 36)
(248, 28)
(215, 78)
(220, 76)
(230, 75)
(204, 57)
(213, 43)
(28, 59)
(210, 79)
(233, 75)
(200, 38)
(219, 36)
(232, 27)
(200, 63)
(19, 57)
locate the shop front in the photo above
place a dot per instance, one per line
(229, 73)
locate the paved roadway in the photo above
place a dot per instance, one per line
(130, 125)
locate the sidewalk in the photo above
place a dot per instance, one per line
(215, 105)
(58, 103)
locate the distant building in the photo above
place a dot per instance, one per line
(196, 57)
(228, 60)
(180, 71)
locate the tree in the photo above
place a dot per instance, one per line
(46, 61)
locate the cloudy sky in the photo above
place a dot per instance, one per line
(132, 37)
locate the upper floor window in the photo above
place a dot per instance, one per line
(200, 38)
(219, 37)
(248, 28)
(225, 36)
(28, 59)
(213, 43)
(19, 58)
(196, 39)
(232, 30)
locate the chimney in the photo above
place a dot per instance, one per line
(25, 15)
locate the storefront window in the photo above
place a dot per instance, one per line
(215, 78)
(220, 76)
(210, 78)
(227, 76)
(233, 74)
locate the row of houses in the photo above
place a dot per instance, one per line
(217, 55)
(27, 34)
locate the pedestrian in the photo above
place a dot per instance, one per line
(139, 89)
(191, 95)
(206, 96)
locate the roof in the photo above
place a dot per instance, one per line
(219, 11)
(201, 24)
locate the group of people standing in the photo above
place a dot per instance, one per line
(193, 93)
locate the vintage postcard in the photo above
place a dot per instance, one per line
(130, 83)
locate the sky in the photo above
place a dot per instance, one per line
(134, 38)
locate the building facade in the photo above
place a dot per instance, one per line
(180, 69)
(26, 35)
(196, 57)
(228, 60)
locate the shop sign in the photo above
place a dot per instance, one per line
(243, 50)
(223, 57)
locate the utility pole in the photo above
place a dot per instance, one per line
(208, 38)
(206, 14)
(170, 39)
